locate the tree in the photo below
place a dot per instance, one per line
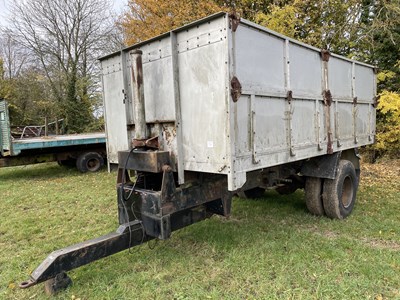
(65, 37)
(15, 58)
(280, 19)
(384, 37)
(148, 18)
(388, 133)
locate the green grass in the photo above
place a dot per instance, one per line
(268, 249)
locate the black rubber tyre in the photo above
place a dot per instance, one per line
(255, 193)
(89, 162)
(313, 195)
(339, 195)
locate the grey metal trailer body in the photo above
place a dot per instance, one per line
(290, 104)
(220, 107)
(85, 151)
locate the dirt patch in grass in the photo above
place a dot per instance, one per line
(381, 244)
(386, 172)
(369, 242)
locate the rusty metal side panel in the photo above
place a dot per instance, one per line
(305, 72)
(340, 78)
(202, 60)
(283, 114)
(248, 99)
(352, 86)
(260, 61)
(115, 103)
(158, 80)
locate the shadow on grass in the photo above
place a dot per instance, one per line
(39, 171)
(250, 220)
(292, 203)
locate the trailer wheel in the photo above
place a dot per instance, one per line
(254, 193)
(313, 195)
(90, 161)
(339, 194)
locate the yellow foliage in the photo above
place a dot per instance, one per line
(385, 75)
(388, 134)
(389, 103)
(148, 18)
(282, 20)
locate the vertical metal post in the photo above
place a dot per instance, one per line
(57, 129)
(138, 95)
(46, 126)
(253, 129)
(325, 54)
(354, 96)
(177, 100)
(288, 102)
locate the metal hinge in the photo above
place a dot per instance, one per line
(234, 20)
(289, 96)
(236, 89)
(325, 55)
(327, 97)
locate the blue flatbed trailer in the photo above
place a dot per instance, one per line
(85, 151)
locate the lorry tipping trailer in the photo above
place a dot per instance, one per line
(85, 151)
(221, 107)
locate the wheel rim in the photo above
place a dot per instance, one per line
(93, 164)
(347, 192)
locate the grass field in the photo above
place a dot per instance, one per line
(268, 249)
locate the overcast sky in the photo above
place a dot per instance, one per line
(119, 5)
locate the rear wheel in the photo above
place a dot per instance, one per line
(313, 195)
(89, 162)
(339, 194)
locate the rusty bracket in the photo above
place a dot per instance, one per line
(234, 20)
(236, 89)
(149, 143)
(327, 97)
(355, 101)
(325, 55)
(330, 144)
(289, 96)
(168, 188)
(376, 101)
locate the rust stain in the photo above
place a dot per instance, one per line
(234, 20)
(236, 89)
(327, 97)
(325, 55)
(289, 96)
